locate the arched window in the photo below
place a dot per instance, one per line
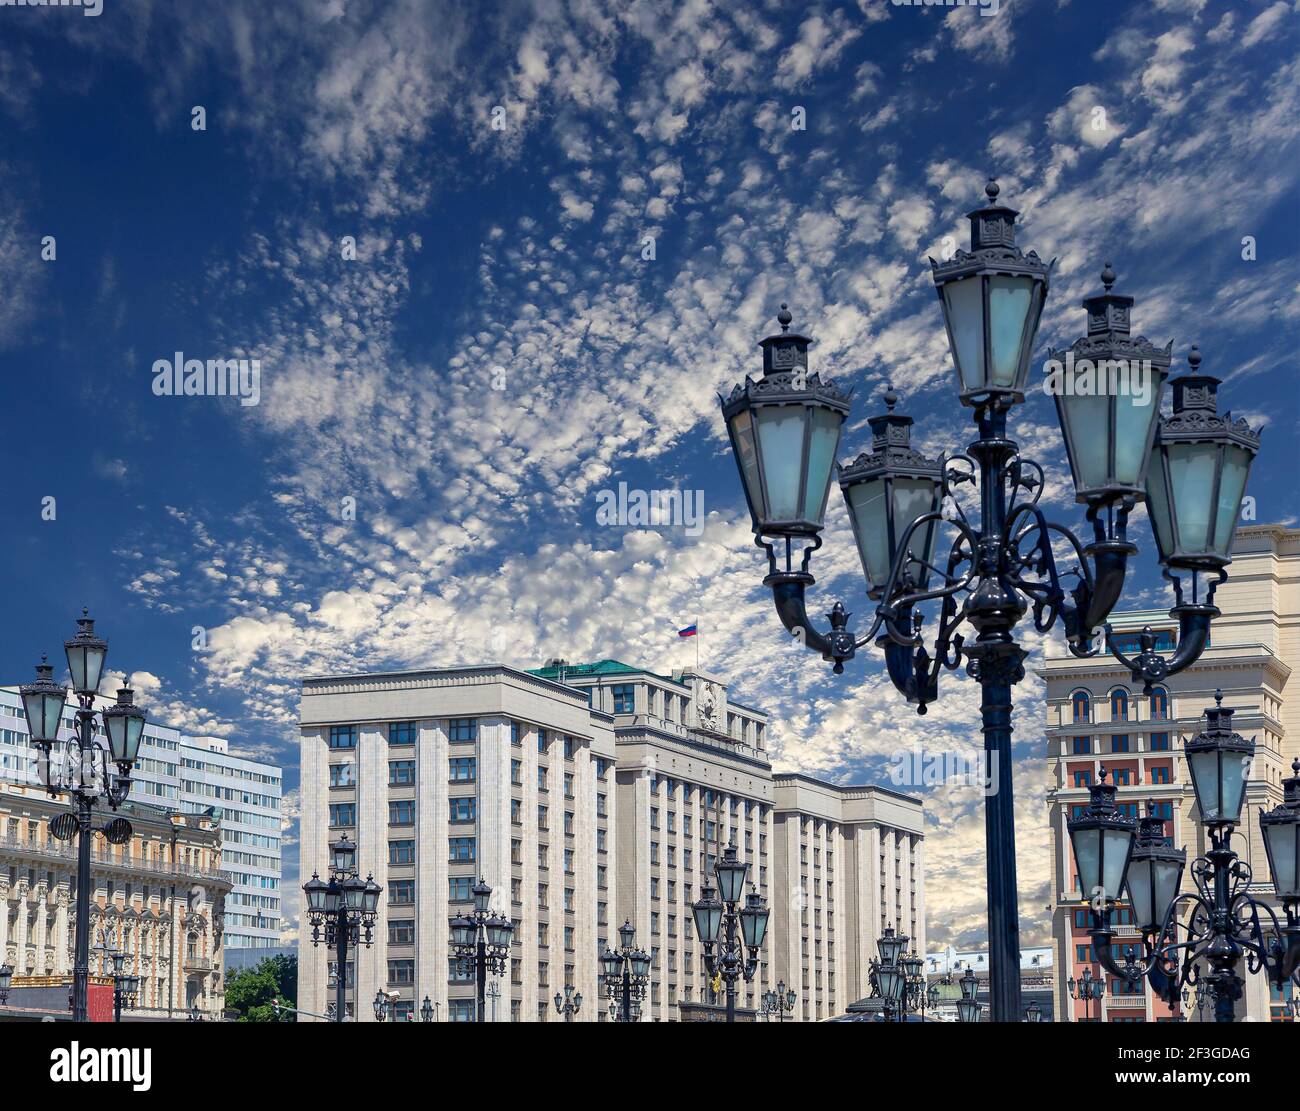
(1082, 706)
(1119, 704)
(1159, 704)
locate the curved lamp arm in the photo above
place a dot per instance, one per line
(789, 588)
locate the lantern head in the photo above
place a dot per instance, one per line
(1281, 829)
(1155, 872)
(1102, 839)
(1218, 760)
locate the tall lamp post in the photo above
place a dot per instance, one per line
(6, 981)
(126, 987)
(968, 1006)
(568, 1004)
(716, 921)
(342, 913)
(625, 973)
(1088, 988)
(427, 1009)
(480, 942)
(84, 772)
(1201, 936)
(1191, 468)
(888, 975)
(779, 1002)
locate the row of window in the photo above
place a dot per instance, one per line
(1081, 705)
(1120, 742)
(1123, 777)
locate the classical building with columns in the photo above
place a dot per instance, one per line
(159, 897)
(1097, 718)
(584, 794)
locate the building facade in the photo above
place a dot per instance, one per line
(584, 795)
(160, 897)
(850, 862)
(1097, 718)
(194, 775)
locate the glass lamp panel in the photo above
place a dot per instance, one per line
(641, 963)
(333, 898)
(1232, 485)
(86, 663)
(781, 446)
(1191, 474)
(1141, 890)
(871, 528)
(963, 302)
(1135, 410)
(1168, 876)
(1114, 859)
(1087, 858)
(824, 441)
(43, 712)
(1009, 301)
(1204, 767)
(731, 880)
(912, 498)
(753, 925)
(1232, 780)
(968, 1010)
(742, 433)
(1158, 503)
(1089, 431)
(1282, 841)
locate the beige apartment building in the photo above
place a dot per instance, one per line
(1096, 717)
(592, 793)
(160, 897)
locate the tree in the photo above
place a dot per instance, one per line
(251, 991)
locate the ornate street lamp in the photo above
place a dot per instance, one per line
(342, 913)
(1002, 563)
(779, 1002)
(625, 974)
(91, 770)
(891, 975)
(716, 922)
(1201, 937)
(568, 1004)
(1088, 988)
(1033, 1013)
(6, 980)
(968, 1006)
(480, 942)
(426, 1010)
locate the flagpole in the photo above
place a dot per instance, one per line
(697, 646)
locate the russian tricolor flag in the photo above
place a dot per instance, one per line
(689, 631)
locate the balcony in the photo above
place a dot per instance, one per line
(197, 966)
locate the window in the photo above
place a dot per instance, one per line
(568, 785)
(1159, 775)
(461, 809)
(401, 812)
(541, 777)
(1082, 746)
(1159, 704)
(542, 819)
(1121, 777)
(1081, 706)
(401, 852)
(624, 697)
(1119, 704)
(1119, 742)
(1083, 779)
(568, 748)
(401, 972)
(517, 772)
(343, 775)
(401, 773)
(462, 729)
(516, 733)
(463, 769)
(459, 889)
(401, 733)
(343, 736)
(401, 931)
(343, 813)
(460, 1010)
(1159, 742)
(541, 741)
(461, 848)
(401, 892)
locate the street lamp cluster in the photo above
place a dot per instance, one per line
(1088, 988)
(1195, 937)
(83, 770)
(968, 1006)
(779, 1002)
(1190, 468)
(342, 913)
(126, 986)
(716, 921)
(625, 972)
(480, 942)
(568, 1004)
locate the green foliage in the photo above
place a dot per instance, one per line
(251, 991)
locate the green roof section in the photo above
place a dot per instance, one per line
(594, 670)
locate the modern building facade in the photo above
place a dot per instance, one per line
(584, 795)
(1096, 718)
(201, 776)
(160, 897)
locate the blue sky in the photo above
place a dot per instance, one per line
(513, 257)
